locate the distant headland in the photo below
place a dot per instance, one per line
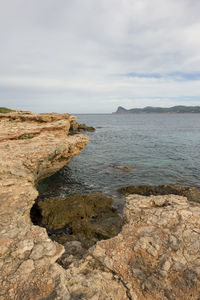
(150, 109)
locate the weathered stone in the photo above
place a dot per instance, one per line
(26, 267)
(155, 263)
(26, 251)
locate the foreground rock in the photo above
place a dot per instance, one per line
(31, 147)
(157, 254)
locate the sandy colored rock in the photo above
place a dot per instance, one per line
(157, 253)
(26, 252)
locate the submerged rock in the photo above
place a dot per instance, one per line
(191, 193)
(83, 127)
(86, 218)
(122, 168)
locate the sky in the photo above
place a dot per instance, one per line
(91, 56)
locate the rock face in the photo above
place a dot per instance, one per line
(32, 147)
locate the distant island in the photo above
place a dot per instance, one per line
(150, 109)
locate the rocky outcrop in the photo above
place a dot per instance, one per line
(32, 147)
(155, 256)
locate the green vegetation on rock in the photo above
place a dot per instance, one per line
(5, 110)
(26, 137)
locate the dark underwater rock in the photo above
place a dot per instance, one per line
(122, 168)
(86, 218)
(83, 127)
(191, 193)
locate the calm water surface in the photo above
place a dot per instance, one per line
(160, 149)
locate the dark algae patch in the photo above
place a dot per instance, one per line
(26, 137)
(84, 218)
(191, 193)
(77, 128)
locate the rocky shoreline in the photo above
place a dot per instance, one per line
(156, 254)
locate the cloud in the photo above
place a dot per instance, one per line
(174, 75)
(89, 55)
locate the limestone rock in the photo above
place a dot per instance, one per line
(31, 147)
(157, 253)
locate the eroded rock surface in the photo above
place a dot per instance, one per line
(26, 252)
(157, 253)
(155, 256)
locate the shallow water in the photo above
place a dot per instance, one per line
(160, 149)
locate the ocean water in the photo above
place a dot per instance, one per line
(159, 149)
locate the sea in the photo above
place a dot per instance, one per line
(157, 148)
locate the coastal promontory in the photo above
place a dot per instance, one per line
(150, 109)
